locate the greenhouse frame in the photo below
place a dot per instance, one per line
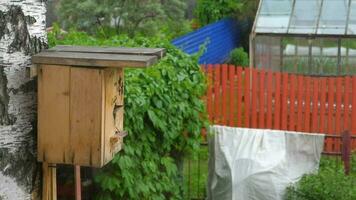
(313, 37)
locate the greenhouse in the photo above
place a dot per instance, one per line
(315, 37)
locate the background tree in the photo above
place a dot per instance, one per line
(131, 17)
(22, 33)
(209, 11)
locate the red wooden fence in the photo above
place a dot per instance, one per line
(245, 97)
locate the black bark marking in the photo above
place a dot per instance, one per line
(22, 164)
(5, 117)
(18, 27)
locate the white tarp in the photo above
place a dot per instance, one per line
(259, 164)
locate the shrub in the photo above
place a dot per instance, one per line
(329, 184)
(164, 114)
(239, 57)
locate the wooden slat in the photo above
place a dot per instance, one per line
(49, 181)
(353, 120)
(53, 114)
(322, 105)
(277, 99)
(78, 183)
(247, 100)
(269, 99)
(284, 118)
(339, 93)
(308, 95)
(292, 117)
(210, 93)
(254, 98)
(217, 94)
(353, 115)
(224, 93)
(159, 52)
(347, 104)
(300, 103)
(85, 111)
(315, 105)
(331, 91)
(93, 59)
(232, 96)
(240, 91)
(261, 99)
(112, 120)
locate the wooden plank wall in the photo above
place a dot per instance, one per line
(244, 97)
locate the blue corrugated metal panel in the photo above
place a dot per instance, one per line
(221, 37)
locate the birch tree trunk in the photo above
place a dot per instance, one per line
(22, 33)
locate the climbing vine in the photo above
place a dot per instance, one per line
(164, 114)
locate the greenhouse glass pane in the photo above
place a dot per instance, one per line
(348, 61)
(325, 57)
(296, 55)
(305, 16)
(352, 19)
(274, 16)
(267, 52)
(333, 17)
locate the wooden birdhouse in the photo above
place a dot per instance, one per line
(81, 101)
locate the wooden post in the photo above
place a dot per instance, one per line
(78, 184)
(346, 151)
(49, 182)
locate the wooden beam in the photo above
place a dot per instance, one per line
(93, 59)
(159, 52)
(49, 184)
(78, 183)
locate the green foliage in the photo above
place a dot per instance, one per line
(209, 11)
(132, 17)
(239, 57)
(164, 114)
(329, 184)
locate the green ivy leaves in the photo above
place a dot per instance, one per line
(164, 114)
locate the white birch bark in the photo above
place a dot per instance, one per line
(22, 33)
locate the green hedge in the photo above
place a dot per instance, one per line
(164, 114)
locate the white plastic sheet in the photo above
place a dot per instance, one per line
(259, 164)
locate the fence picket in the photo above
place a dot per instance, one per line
(254, 98)
(353, 120)
(261, 99)
(210, 92)
(232, 95)
(339, 92)
(284, 118)
(322, 128)
(269, 99)
(239, 96)
(315, 104)
(347, 104)
(292, 103)
(224, 93)
(300, 103)
(331, 110)
(277, 102)
(308, 94)
(247, 97)
(217, 95)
